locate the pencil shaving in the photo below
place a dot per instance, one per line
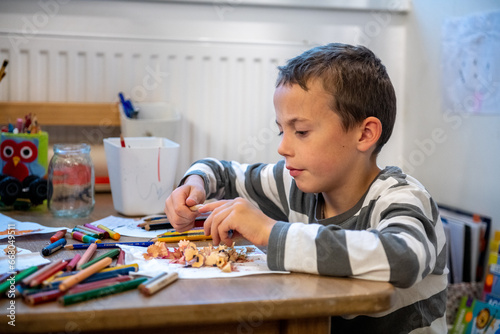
(223, 257)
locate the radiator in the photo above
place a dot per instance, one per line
(223, 91)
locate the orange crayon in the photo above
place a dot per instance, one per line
(75, 279)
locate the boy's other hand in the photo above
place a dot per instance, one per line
(238, 216)
(177, 205)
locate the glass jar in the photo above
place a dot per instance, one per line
(71, 181)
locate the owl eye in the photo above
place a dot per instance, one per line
(26, 152)
(8, 151)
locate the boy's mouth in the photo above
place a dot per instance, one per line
(293, 171)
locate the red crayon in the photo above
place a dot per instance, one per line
(47, 273)
(44, 297)
(72, 264)
(59, 235)
(99, 284)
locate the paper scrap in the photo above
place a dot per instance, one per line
(9, 226)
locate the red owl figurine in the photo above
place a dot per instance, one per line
(16, 155)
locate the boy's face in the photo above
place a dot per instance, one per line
(319, 153)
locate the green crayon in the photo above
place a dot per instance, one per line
(101, 292)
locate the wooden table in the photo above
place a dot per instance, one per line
(274, 303)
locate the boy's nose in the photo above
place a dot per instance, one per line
(284, 147)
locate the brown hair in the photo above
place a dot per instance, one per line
(356, 79)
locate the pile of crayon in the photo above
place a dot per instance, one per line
(82, 277)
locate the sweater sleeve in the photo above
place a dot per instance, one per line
(261, 184)
(399, 238)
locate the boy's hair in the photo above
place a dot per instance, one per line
(356, 79)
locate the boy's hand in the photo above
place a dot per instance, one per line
(177, 205)
(237, 215)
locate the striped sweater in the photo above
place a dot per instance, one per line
(393, 234)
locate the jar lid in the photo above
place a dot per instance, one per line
(71, 148)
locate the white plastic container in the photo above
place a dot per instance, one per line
(141, 174)
(156, 119)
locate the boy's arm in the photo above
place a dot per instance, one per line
(403, 243)
(261, 184)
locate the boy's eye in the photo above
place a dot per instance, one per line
(301, 133)
(280, 134)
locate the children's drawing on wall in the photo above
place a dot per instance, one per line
(471, 66)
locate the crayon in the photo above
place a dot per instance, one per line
(95, 277)
(85, 273)
(123, 269)
(44, 296)
(194, 234)
(100, 234)
(48, 273)
(53, 247)
(59, 234)
(48, 266)
(111, 254)
(114, 235)
(17, 278)
(83, 237)
(86, 256)
(97, 229)
(73, 263)
(101, 292)
(86, 232)
(155, 284)
(121, 258)
(98, 284)
(110, 245)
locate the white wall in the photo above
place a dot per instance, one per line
(462, 167)
(218, 55)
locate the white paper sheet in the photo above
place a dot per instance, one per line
(153, 267)
(23, 259)
(8, 224)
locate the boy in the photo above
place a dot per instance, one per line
(328, 201)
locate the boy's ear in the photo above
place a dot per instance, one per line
(370, 132)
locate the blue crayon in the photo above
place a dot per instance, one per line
(53, 247)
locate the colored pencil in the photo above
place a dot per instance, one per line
(123, 269)
(86, 256)
(110, 244)
(155, 284)
(17, 278)
(114, 235)
(59, 235)
(101, 292)
(53, 247)
(111, 254)
(73, 263)
(85, 273)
